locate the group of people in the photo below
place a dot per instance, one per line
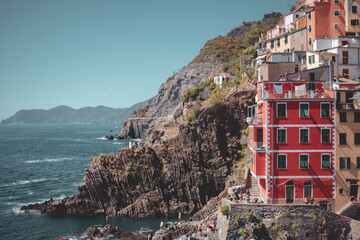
(134, 146)
(206, 223)
(240, 196)
(308, 200)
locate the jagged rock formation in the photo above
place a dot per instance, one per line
(180, 175)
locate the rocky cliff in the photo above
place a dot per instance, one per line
(207, 64)
(180, 175)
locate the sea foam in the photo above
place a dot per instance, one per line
(49, 160)
(23, 182)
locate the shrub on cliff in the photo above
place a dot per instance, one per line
(225, 210)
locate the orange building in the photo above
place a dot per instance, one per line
(325, 19)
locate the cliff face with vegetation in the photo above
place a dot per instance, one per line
(180, 175)
(209, 63)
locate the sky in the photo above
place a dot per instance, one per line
(114, 53)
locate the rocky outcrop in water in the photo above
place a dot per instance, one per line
(180, 175)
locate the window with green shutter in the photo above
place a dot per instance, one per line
(304, 161)
(304, 135)
(281, 162)
(325, 110)
(325, 135)
(342, 163)
(281, 135)
(358, 162)
(281, 110)
(325, 161)
(348, 163)
(304, 110)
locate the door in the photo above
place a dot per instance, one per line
(308, 190)
(289, 192)
(260, 138)
(354, 190)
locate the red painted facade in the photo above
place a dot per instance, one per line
(277, 181)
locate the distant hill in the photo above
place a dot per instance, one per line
(67, 115)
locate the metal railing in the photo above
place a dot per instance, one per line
(254, 120)
(296, 95)
(258, 146)
(345, 106)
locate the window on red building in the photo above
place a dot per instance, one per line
(281, 110)
(325, 135)
(325, 110)
(336, 26)
(281, 135)
(336, 13)
(304, 135)
(336, 1)
(281, 161)
(304, 161)
(325, 161)
(304, 110)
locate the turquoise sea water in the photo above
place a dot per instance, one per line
(39, 162)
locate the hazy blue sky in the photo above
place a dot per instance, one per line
(106, 52)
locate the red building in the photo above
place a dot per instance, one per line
(292, 137)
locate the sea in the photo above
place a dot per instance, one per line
(39, 162)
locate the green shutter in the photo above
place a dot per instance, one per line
(342, 163)
(348, 163)
(325, 163)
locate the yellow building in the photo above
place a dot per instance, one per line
(347, 144)
(352, 17)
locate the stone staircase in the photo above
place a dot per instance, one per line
(254, 190)
(345, 208)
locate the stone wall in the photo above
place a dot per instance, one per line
(247, 221)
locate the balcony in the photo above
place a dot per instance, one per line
(254, 120)
(306, 94)
(258, 146)
(346, 106)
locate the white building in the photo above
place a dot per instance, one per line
(219, 80)
(344, 51)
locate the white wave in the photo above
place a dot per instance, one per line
(23, 182)
(101, 138)
(49, 160)
(17, 211)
